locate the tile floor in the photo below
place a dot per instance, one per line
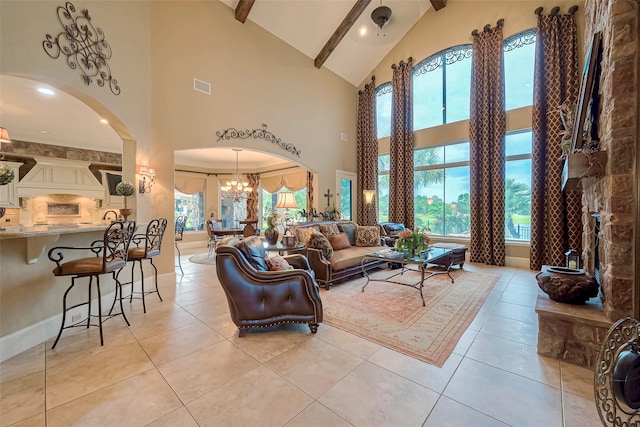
(182, 364)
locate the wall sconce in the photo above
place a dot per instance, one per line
(4, 135)
(143, 186)
(368, 196)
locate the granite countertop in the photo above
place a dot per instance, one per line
(50, 229)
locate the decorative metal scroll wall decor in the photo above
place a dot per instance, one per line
(84, 46)
(263, 133)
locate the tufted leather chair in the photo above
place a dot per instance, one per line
(258, 297)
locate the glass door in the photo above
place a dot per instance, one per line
(346, 185)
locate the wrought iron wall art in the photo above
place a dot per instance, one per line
(262, 133)
(84, 45)
(518, 40)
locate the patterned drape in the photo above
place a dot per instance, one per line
(401, 165)
(253, 196)
(309, 192)
(556, 217)
(367, 153)
(486, 133)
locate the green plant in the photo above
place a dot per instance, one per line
(125, 189)
(6, 174)
(273, 219)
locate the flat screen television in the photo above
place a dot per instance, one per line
(112, 181)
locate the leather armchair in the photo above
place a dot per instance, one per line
(258, 297)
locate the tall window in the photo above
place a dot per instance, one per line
(383, 110)
(517, 195)
(442, 88)
(384, 162)
(192, 206)
(519, 57)
(441, 189)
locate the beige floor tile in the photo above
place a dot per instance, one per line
(347, 341)
(330, 364)
(71, 380)
(517, 358)
(154, 323)
(526, 289)
(39, 420)
(579, 412)
(415, 370)
(266, 343)
(513, 297)
(577, 380)
(198, 373)
(179, 342)
(317, 415)
(208, 311)
(449, 413)
(87, 343)
(465, 341)
(27, 362)
(511, 329)
(22, 398)
(373, 396)
(135, 401)
(505, 396)
(479, 320)
(178, 418)
(259, 397)
(515, 311)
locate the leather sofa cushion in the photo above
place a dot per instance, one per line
(339, 241)
(254, 252)
(349, 257)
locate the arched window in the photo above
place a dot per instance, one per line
(519, 57)
(442, 87)
(383, 110)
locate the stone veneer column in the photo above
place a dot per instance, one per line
(612, 194)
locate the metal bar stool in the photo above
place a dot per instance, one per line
(181, 221)
(110, 257)
(147, 247)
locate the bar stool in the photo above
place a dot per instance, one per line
(181, 221)
(110, 256)
(147, 247)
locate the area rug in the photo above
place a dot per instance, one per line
(392, 315)
(203, 259)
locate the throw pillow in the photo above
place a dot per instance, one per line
(329, 229)
(339, 241)
(367, 235)
(350, 230)
(303, 233)
(254, 252)
(278, 263)
(318, 240)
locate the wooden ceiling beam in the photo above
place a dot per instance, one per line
(438, 4)
(243, 8)
(341, 31)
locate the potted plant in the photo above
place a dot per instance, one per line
(6, 174)
(271, 221)
(125, 189)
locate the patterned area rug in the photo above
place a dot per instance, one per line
(203, 259)
(392, 315)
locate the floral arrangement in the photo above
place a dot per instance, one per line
(6, 174)
(413, 241)
(272, 220)
(125, 189)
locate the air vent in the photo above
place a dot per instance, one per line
(201, 86)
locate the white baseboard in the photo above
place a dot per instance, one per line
(24, 339)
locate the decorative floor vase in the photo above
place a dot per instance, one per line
(271, 236)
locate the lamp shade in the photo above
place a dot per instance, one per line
(368, 196)
(286, 200)
(4, 135)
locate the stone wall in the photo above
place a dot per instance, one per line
(612, 195)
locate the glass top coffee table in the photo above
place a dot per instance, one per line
(421, 262)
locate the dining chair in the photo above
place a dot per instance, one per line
(110, 256)
(181, 221)
(148, 245)
(212, 227)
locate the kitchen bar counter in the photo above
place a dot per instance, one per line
(39, 236)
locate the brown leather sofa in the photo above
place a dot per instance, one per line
(258, 297)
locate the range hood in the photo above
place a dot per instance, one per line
(60, 176)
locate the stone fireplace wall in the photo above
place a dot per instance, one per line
(613, 194)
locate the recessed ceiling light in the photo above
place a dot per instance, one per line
(363, 31)
(104, 121)
(46, 91)
(43, 131)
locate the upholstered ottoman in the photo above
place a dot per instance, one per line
(456, 257)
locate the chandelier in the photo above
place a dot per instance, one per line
(238, 186)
